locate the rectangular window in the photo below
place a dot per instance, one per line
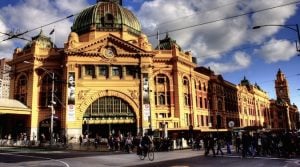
(103, 71)
(90, 70)
(116, 71)
(201, 102)
(186, 117)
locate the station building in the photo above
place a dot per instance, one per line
(108, 79)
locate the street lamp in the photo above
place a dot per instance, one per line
(51, 74)
(294, 27)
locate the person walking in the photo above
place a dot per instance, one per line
(80, 140)
(219, 146)
(211, 145)
(238, 144)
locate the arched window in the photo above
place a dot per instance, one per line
(204, 86)
(162, 99)
(46, 91)
(109, 107)
(21, 89)
(185, 81)
(107, 20)
(186, 91)
(162, 90)
(199, 85)
(187, 99)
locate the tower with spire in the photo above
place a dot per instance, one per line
(281, 87)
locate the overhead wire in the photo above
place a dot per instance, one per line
(225, 18)
(197, 13)
(178, 29)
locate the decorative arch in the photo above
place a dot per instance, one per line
(164, 73)
(90, 99)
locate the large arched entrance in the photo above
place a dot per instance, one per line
(109, 115)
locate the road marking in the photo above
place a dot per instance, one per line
(66, 164)
(271, 158)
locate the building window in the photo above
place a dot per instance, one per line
(132, 71)
(116, 71)
(201, 102)
(109, 107)
(187, 99)
(204, 86)
(103, 71)
(21, 89)
(185, 81)
(162, 90)
(199, 85)
(90, 70)
(108, 20)
(162, 100)
(46, 92)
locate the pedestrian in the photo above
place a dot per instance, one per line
(238, 144)
(211, 145)
(219, 146)
(80, 140)
(246, 141)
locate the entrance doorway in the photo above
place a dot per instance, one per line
(104, 130)
(44, 128)
(109, 115)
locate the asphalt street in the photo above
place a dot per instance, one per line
(179, 158)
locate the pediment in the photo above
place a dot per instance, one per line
(104, 45)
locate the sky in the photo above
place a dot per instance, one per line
(219, 33)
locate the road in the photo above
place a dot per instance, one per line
(182, 158)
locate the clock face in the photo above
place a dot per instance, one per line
(108, 52)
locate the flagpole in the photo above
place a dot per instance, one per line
(54, 37)
(53, 32)
(157, 36)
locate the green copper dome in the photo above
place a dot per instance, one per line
(167, 43)
(107, 15)
(42, 40)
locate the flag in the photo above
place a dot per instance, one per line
(52, 31)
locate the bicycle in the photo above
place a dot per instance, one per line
(149, 153)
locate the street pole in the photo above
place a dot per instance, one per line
(52, 110)
(291, 27)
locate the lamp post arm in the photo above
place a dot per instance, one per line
(298, 33)
(289, 26)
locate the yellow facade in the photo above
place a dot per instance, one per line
(170, 72)
(122, 84)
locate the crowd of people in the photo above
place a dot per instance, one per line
(280, 144)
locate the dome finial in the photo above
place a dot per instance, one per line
(114, 1)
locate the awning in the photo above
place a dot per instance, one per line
(12, 106)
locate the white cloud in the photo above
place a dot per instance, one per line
(31, 14)
(277, 50)
(208, 42)
(239, 61)
(212, 41)
(5, 46)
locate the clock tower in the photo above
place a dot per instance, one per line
(281, 87)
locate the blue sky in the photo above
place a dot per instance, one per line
(228, 46)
